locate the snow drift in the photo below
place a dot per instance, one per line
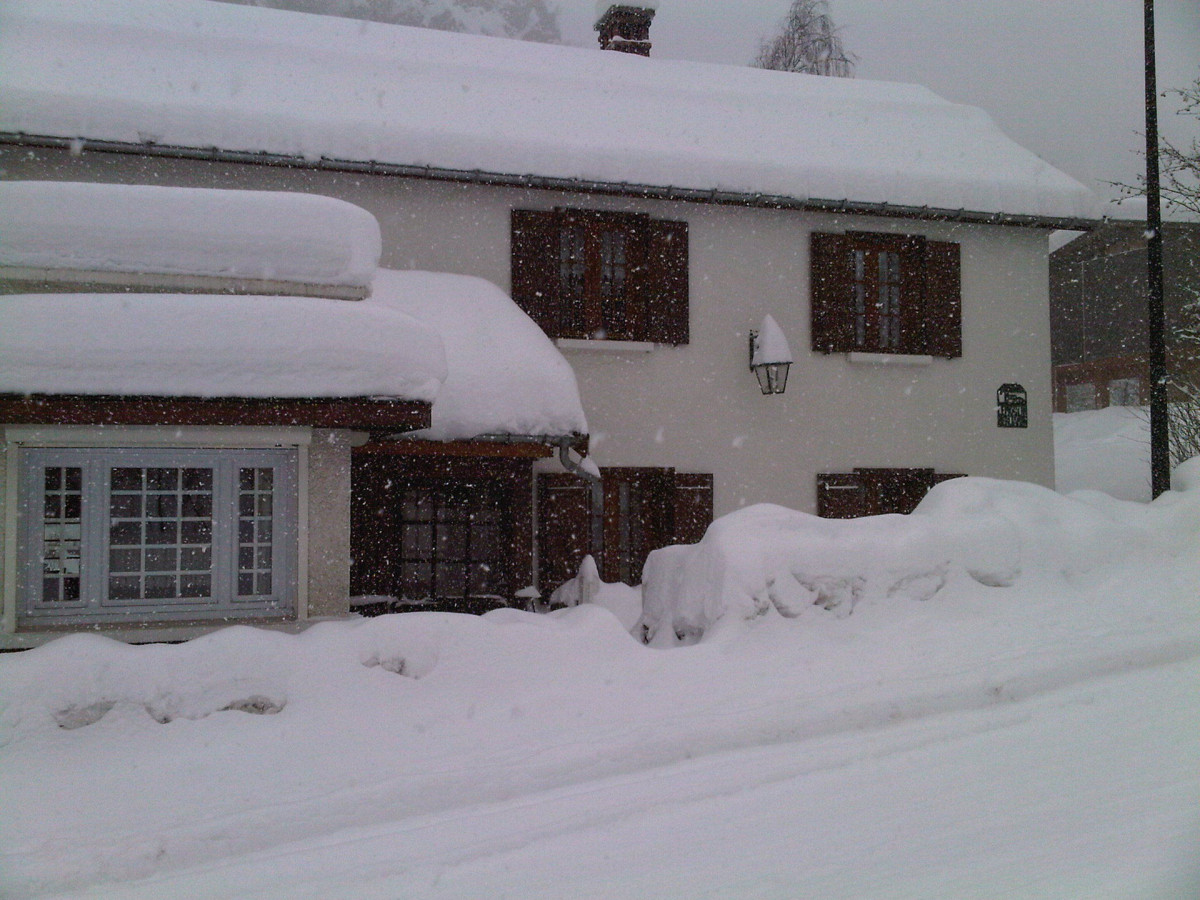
(504, 375)
(767, 560)
(157, 230)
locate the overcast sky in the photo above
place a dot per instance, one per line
(1062, 77)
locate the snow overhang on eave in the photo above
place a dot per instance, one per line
(30, 280)
(569, 185)
(378, 415)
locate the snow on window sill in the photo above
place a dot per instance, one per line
(604, 345)
(889, 359)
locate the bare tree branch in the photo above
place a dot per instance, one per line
(808, 42)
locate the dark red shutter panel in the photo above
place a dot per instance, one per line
(943, 299)
(535, 280)
(841, 496)
(832, 322)
(665, 299)
(374, 530)
(914, 321)
(564, 504)
(693, 506)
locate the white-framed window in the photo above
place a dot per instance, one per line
(1125, 391)
(1080, 397)
(115, 535)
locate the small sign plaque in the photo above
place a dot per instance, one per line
(1012, 407)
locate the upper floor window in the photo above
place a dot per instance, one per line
(601, 275)
(886, 293)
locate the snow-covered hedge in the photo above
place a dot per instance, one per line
(766, 560)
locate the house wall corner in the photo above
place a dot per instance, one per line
(328, 543)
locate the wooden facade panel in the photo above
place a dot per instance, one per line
(564, 505)
(362, 413)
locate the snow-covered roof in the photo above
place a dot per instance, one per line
(190, 345)
(505, 375)
(195, 74)
(457, 341)
(145, 229)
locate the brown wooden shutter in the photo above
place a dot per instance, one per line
(895, 490)
(943, 299)
(693, 506)
(665, 293)
(832, 316)
(841, 496)
(374, 529)
(564, 504)
(535, 279)
(648, 523)
(914, 315)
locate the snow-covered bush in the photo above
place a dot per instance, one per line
(766, 560)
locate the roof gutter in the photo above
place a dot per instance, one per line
(544, 182)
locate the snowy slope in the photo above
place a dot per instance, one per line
(200, 75)
(1036, 740)
(1103, 450)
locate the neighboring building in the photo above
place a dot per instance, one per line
(646, 214)
(1098, 300)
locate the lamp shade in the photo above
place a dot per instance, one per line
(770, 356)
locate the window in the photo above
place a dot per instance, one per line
(441, 533)
(1125, 392)
(874, 492)
(644, 509)
(135, 535)
(1079, 397)
(886, 293)
(451, 543)
(601, 275)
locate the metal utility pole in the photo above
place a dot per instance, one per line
(1160, 452)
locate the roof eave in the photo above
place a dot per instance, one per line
(372, 414)
(569, 185)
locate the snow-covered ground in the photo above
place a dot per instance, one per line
(1036, 739)
(1104, 450)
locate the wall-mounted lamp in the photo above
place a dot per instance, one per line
(770, 356)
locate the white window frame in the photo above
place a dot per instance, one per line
(94, 607)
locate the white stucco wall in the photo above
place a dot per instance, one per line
(698, 408)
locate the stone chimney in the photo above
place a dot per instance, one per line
(625, 28)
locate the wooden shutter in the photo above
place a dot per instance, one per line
(648, 523)
(693, 506)
(374, 549)
(832, 322)
(841, 496)
(943, 299)
(535, 278)
(665, 288)
(914, 315)
(895, 490)
(564, 504)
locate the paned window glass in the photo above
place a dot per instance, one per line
(132, 534)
